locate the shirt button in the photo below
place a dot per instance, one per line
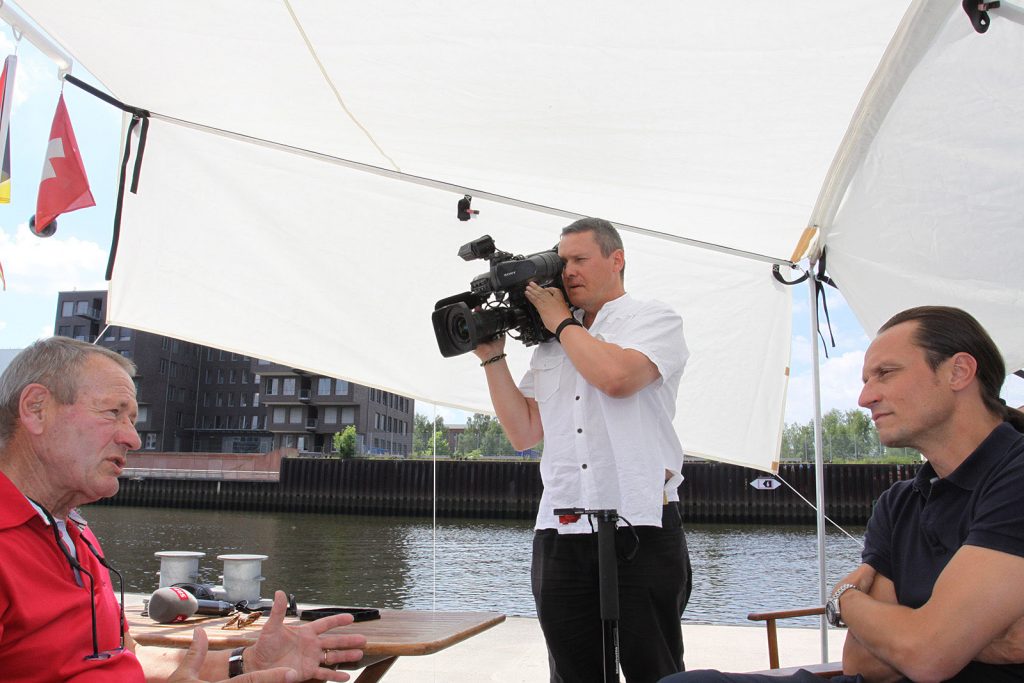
(584, 465)
(579, 431)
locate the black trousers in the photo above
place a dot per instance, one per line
(654, 587)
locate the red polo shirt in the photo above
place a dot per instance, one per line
(45, 622)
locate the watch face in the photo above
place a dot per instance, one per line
(830, 612)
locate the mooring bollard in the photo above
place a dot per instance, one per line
(242, 576)
(178, 566)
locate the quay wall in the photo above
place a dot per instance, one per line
(712, 492)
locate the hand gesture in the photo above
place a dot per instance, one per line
(188, 670)
(550, 303)
(308, 649)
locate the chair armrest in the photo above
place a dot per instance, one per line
(773, 637)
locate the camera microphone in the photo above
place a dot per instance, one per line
(171, 605)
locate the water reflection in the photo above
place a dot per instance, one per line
(401, 562)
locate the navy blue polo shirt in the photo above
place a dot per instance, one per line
(918, 525)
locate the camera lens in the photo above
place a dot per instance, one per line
(459, 328)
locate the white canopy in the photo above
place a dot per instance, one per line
(298, 191)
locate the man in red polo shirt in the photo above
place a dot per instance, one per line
(67, 421)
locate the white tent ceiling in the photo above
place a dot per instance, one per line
(714, 122)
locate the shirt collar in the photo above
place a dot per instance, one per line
(613, 309)
(971, 471)
(17, 509)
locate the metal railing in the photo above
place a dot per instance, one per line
(206, 475)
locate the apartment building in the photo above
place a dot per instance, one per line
(195, 398)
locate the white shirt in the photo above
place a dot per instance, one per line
(610, 453)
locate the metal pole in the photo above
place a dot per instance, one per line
(819, 466)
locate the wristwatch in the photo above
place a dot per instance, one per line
(235, 664)
(832, 613)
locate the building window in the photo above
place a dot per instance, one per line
(271, 386)
(256, 400)
(231, 399)
(288, 441)
(165, 343)
(323, 386)
(174, 369)
(209, 354)
(163, 366)
(64, 331)
(340, 387)
(79, 332)
(331, 415)
(67, 309)
(126, 333)
(220, 399)
(220, 376)
(243, 422)
(243, 399)
(234, 356)
(111, 334)
(222, 355)
(170, 393)
(245, 377)
(288, 386)
(348, 415)
(81, 308)
(178, 418)
(232, 376)
(175, 346)
(206, 399)
(151, 441)
(295, 416)
(256, 421)
(143, 414)
(279, 416)
(206, 376)
(218, 421)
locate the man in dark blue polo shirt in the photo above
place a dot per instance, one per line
(938, 596)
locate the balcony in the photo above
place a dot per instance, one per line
(304, 395)
(311, 424)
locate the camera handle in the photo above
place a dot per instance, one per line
(608, 583)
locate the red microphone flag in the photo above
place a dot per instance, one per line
(64, 186)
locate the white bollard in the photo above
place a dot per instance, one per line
(242, 576)
(178, 566)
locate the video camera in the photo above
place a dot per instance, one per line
(496, 302)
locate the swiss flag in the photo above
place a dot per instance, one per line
(64, 186)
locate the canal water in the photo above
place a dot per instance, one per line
(404, 562)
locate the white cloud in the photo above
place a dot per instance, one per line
(840, 387)
(45, 266)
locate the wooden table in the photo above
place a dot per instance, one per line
(397, 633)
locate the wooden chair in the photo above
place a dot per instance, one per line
(827, 670)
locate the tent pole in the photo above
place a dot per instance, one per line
(819, 465)
(37, 38)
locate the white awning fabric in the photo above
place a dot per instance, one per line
(256, 229)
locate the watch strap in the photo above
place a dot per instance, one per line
(235, 663)
(834, 600)
(568, 322)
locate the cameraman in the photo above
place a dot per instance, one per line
(603, 400)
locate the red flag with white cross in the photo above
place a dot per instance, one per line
(64, 186)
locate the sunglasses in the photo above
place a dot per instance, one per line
(78, 570)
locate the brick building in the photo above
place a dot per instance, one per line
(195, 398)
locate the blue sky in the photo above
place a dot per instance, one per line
(75, 258)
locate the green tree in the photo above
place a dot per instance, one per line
(423, 436)
(847, 436)
(345, 442)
